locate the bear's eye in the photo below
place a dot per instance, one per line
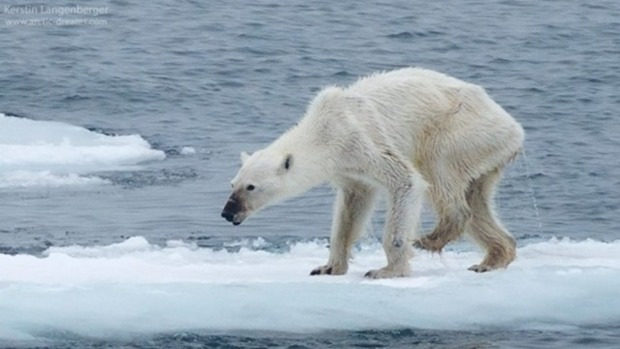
(250, 187)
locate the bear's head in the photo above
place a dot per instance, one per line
(265, 178)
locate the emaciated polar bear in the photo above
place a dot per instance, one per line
(409, 133)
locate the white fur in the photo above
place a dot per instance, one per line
(407, 132)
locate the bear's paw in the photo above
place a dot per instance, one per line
(429, 243)
(388, 272)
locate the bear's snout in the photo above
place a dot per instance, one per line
(227, 215)
(231, 210)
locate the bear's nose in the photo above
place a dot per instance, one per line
(227, 215)
(231, 208)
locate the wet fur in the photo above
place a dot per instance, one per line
(410, 133)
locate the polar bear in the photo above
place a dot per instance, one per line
(410, 133)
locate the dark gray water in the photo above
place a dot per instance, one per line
(223, 78)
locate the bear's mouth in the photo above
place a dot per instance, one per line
(234, 210)
(235, 218)
(239, 217)
(232, 217)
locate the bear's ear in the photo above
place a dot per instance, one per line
(244, 157)
(288, 162)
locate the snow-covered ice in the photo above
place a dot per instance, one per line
(135, 287)
(50, 153)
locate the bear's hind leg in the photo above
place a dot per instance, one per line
(354, 203)
(484, 227)
(453, 212)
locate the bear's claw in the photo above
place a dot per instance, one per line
(386, 272)
(418, 244)
(480, 268)
(330, 269)
(321, 270)
(429, 243)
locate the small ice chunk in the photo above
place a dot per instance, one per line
(188, 150)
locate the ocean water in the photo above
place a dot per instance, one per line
(120, 132)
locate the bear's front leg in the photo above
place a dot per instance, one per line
(354, 203)
(403, 218)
